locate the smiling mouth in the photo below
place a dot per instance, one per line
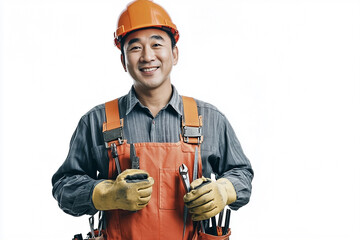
(150, 69)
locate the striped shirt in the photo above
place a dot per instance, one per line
(87, 162)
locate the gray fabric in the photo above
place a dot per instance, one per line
(87, 162)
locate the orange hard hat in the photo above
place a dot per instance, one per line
(143, 14)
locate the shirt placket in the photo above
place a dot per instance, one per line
(153, 131)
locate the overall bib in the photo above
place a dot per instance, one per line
(163, 217)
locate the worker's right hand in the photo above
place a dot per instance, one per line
(130, 191)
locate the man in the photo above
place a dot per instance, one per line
(125, 156)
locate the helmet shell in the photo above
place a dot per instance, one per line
(143, 14)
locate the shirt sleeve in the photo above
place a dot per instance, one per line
(75, 180)
(233, 164)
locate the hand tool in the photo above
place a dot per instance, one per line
(183, 171)
(134, 160)
(115, 155)
(227, 221)
(213, 226)
(135, 164)
(195, 175)
(219, 229)
(221, 214)
(101, 221)
(91, 222)
(202, 226)
(199, 186)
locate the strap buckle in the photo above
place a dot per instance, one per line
(192, 132)
(113, 136)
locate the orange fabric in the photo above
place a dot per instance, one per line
(204, 236)
(162, 218)
(112, 115)
(191, 116)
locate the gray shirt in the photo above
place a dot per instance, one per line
(87, 162)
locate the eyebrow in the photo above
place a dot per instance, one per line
(134, 40)
(157, 37)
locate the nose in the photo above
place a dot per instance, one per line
(147, 54)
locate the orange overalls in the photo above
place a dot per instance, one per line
(162, 218)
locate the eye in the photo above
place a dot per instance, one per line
(134, 48)
(157, 45)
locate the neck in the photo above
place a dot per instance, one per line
(154, 99)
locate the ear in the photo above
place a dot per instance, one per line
(123, 62)
(175, 55)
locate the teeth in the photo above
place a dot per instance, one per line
(149, 69)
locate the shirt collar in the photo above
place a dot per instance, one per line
(132, 100)
(175, 101)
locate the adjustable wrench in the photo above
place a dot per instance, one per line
(183, 170)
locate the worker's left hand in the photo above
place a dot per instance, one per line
(209, 199)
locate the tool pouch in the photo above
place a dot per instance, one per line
(200, 235)
(205, 236)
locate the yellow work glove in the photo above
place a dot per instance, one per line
(207, 198)
(130, 191)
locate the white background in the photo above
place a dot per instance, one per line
(285, 73)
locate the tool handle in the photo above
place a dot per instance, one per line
(202, 226)
(227, 221)
(135, 164)
(221, 214)
(114, 152)
(135, 161)
(118, 168)
(115, 155)
(213, 225)
(101, 221)
(91, 223)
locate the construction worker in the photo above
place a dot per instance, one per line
(161, 132)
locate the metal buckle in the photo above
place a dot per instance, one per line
(121, 141)
(113, 135)
(192, 132)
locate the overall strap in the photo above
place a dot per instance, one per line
(191, 125)
(192, 122)
(113, 127)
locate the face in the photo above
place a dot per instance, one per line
(149, 58)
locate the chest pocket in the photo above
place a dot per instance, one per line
(168, 188)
